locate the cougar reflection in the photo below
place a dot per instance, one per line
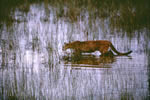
(89, 60)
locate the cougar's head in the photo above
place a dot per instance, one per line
(66, 46)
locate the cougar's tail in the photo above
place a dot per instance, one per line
(119, 53)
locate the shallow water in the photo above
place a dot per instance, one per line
(32, 64)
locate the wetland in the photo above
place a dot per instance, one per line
(33, 65)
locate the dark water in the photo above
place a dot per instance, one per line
(31, 57)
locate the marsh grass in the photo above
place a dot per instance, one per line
(126, 15)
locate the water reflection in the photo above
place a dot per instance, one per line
(89, 61)
(31, 64)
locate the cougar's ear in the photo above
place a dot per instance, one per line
(65, 43)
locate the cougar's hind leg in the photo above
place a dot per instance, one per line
(104, 49)
(108, 54)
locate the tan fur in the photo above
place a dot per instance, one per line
(90, 46)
